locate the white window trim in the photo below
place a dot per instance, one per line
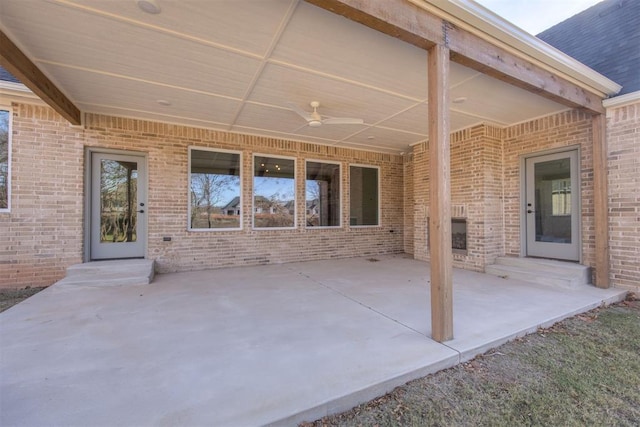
(217, 150)
(8, 108)
(295, 195)
(324, 227)
(379, 224)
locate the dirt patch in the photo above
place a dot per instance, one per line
(582, 371)
(11, 297)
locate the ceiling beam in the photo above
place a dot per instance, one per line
(406, 21)
(13, 60)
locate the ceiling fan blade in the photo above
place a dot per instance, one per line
(302, 113)
(342, 121)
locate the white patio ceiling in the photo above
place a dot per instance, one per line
(235, 66)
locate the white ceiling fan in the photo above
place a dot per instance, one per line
(314, 119)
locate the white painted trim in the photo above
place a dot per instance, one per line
(9, 149)
(379, 224)
(328, 162)
(622, 100)
(215, 150)
(17, 92)
(295, 190)
(482, 22)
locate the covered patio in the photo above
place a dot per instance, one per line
(264, 345)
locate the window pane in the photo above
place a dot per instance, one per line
(363, 195)
(323, 195)
(118, 201)
(274, 192)
(4, 159)
(215, 190)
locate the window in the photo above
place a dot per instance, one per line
(363, 195)
(561, 197)
(214, 182)
(274, 192)
(322, 194)
(5, 159)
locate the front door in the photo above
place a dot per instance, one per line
(118, 206)
(552, 206)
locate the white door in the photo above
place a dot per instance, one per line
(552, 206)
(118, 206)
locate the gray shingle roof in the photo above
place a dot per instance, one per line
(605, 37)
(6, 76)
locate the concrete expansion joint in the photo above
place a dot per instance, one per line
(324, 285)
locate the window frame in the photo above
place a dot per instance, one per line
(240, 175)
(9, 110)
(379, 195)
(340, 219)
(295, 192)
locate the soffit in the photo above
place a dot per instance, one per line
(235, 66)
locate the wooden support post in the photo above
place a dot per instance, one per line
(600, 200)
(441, 257)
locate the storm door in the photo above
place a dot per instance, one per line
(118, 206)
(552, 206)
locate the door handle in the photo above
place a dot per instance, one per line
(529, 211)
(141, 211)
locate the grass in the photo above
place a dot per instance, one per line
(582, 371)
(10, 297)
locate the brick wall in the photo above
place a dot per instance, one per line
(623, 135)
(476, 195)
(43, 232)
(44, 229)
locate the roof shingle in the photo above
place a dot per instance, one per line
(606, 38)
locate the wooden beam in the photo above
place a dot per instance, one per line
(600, 200)
(408, 22)
(440, 254)
(13, 60)
(473, 52)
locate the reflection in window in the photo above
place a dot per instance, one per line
(118, 201)
(215, 190)
(4, 159)
(561, 196)
(274, 192)
(323, 195)
(363, 195)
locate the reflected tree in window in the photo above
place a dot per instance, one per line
(274, 192)
(215, 190)
(4, 159)
(118, 201)
(322, 195)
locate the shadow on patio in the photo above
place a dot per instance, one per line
(274, 344)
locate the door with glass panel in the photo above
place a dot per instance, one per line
(552, 206)
(118, 206)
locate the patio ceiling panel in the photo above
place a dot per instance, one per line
(281, 84)
(132, 51)
(236, 25)
(234, 65)
(385, 137)
(100, 90)
(487, 97)
(330, 44)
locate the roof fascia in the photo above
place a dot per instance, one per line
(485, 24)
(622, 100)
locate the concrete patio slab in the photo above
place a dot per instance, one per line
(264, 345)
